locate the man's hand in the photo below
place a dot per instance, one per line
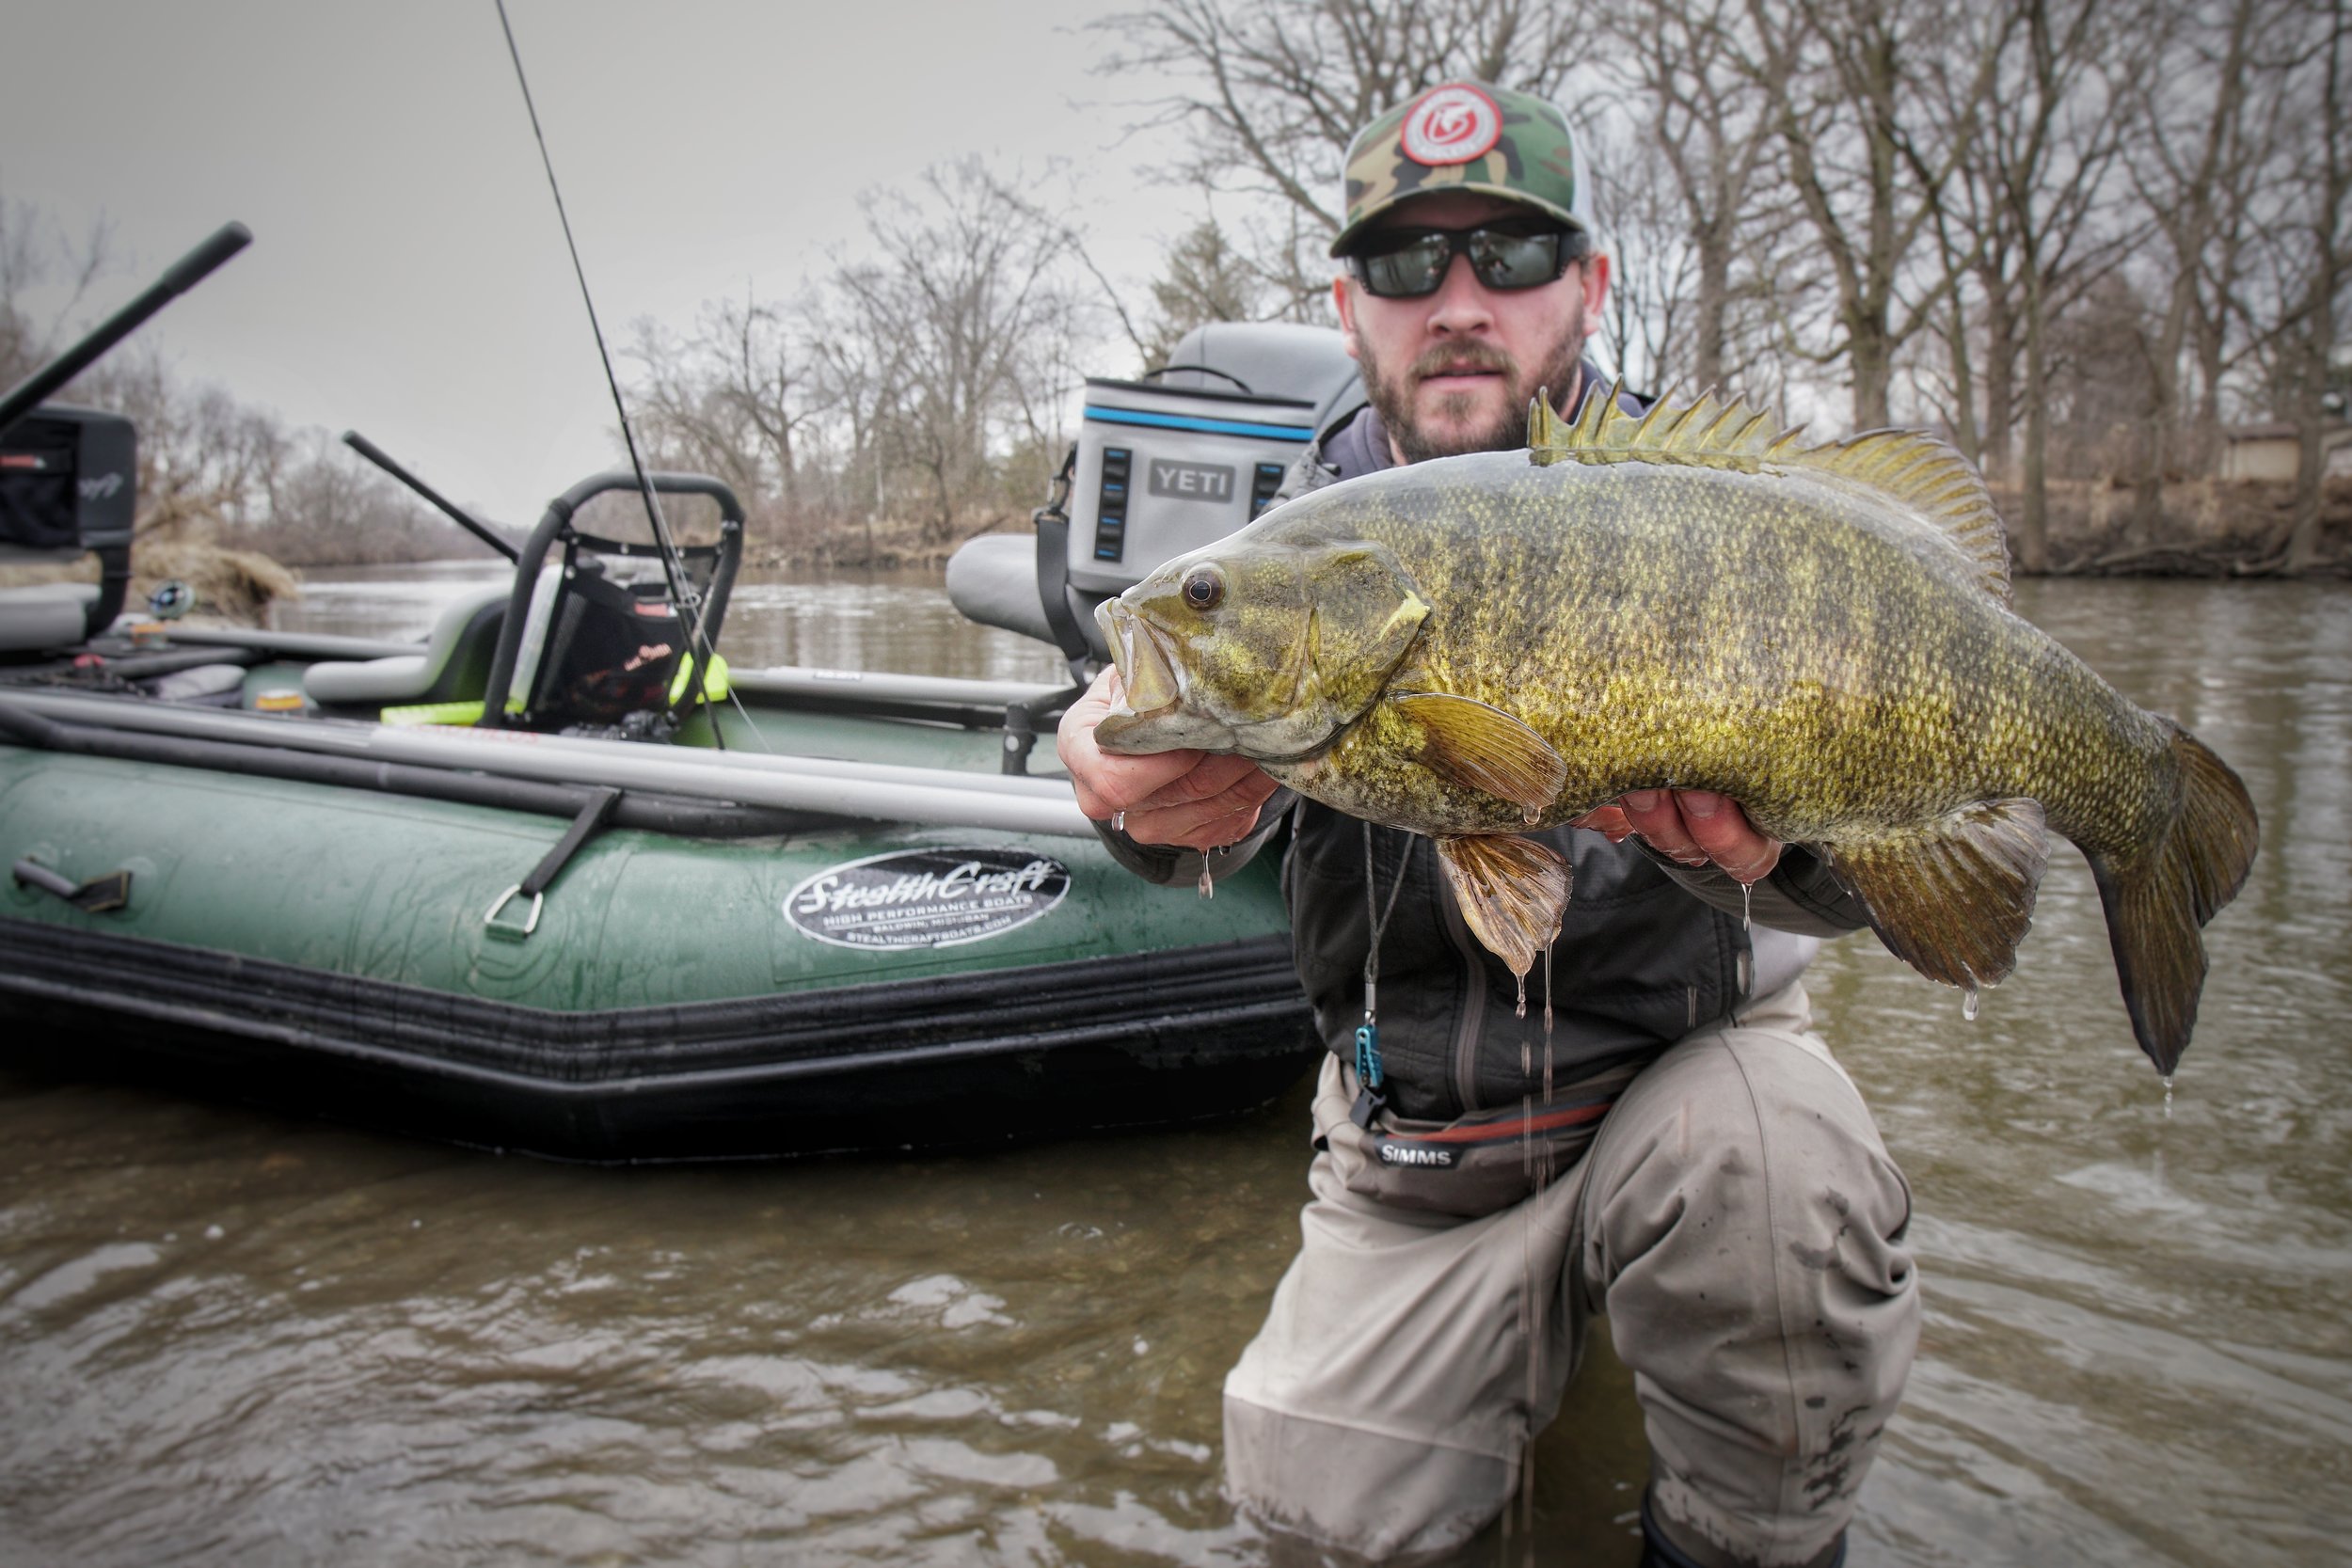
(1194, 799)
(1695, 826)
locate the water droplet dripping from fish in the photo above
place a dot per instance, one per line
(1968, 1003)
(1208, 883)
(1547, 1020)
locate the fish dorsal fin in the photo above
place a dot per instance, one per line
(1912, 469)
(1706, 432)
(1931, 477)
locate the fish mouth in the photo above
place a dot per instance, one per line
(1150, 687)
(1153, 712)
(1150, 715)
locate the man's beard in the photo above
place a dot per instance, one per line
(1507, 431)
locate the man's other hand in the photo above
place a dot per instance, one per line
(1695, 826)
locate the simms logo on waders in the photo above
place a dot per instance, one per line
(1415, 1154)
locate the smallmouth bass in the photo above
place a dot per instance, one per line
(1690, 599)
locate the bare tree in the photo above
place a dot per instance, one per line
(1699, 201)
(2029, 200)
(321, 506)
(733, 399)
(206, 460)
(2309, 249)
(2207, 116)
(32, 259)
(1206, 279)
(922, 379)
(1875, 102)
(970, 309)
(858, 377)
(1646, 329)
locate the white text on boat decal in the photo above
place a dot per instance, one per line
(914, 898)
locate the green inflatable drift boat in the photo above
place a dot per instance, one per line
(556, 880)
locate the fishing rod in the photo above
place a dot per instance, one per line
(673, 568)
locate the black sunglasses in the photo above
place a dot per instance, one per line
(1406, 263)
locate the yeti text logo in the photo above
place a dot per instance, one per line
(1192, 481)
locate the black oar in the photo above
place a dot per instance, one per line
(456, 514)
(185, 274)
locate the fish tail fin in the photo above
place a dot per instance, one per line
(2157, 906)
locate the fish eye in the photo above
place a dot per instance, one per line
(1203, 588)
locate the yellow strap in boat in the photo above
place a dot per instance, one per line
(714, 689)
(714, 680)
(433, 713)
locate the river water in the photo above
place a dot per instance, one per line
(230, 1336)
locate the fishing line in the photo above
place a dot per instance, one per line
(673, 568)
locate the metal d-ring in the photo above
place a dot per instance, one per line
(538, 901)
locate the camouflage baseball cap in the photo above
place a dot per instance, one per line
(1468, 136)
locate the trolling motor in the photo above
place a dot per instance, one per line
(69, 477)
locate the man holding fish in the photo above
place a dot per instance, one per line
(1644, 1128)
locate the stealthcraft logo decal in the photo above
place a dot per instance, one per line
(914, 898)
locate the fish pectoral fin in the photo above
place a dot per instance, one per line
(1512, 890)
(1479, 747)
(1952, 897)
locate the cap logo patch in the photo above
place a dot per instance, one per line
(1452, 125)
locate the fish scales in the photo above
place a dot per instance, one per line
(1474, 646)
(1622, 614)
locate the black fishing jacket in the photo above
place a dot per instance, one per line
(1647, 951)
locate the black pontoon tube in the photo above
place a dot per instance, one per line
(881, 792)
(183, 275)
(131, 667)
(311, 645)
(651, 813)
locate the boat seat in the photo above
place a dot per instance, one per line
(453, 665)
(46, 616)
(993, 579)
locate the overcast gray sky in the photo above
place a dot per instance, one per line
(408, 277)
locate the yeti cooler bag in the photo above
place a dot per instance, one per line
(1164, 471)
